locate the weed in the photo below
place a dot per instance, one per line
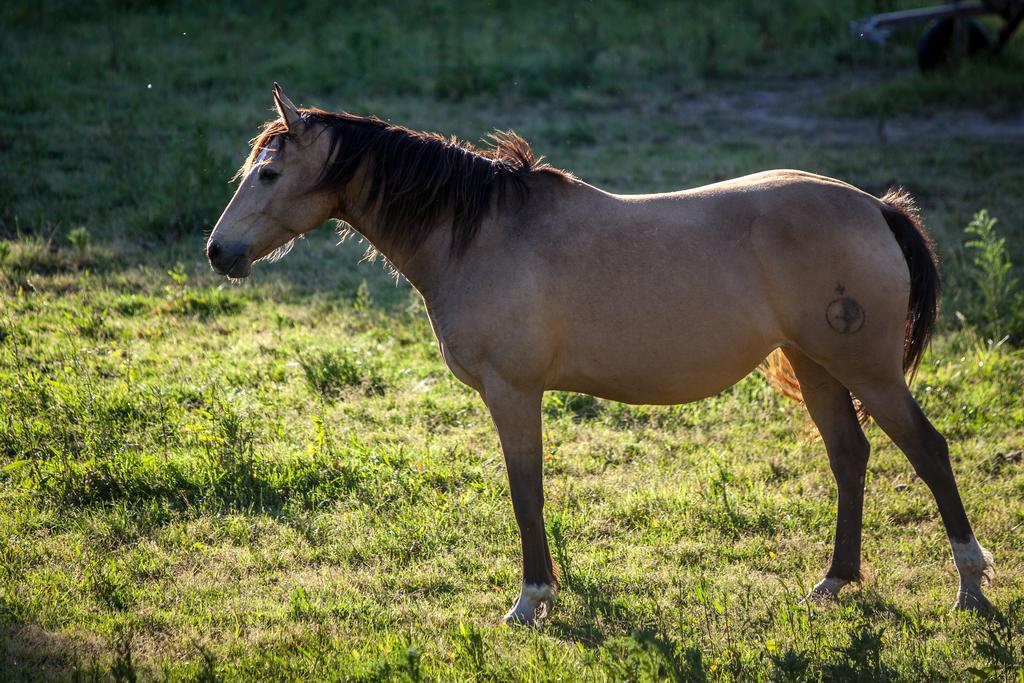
(471, 648)
(363, 299)
(990, 299)
(89, 321)
(1001, 646)
(330, 373)
(79, 238)
(181, 298)
(301, 605)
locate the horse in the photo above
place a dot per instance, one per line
(534, 280)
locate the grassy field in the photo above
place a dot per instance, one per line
(280, 479)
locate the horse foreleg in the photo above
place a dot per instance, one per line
(517, 417)
(831, 409)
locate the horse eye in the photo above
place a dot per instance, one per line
(268, 175)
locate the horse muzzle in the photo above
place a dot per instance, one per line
(230, 260)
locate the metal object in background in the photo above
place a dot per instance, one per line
(952, 31)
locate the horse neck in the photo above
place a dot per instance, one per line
(425, 267)
(429, 265)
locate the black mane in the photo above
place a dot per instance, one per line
(416, 180)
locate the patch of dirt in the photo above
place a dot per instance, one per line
(797, 109)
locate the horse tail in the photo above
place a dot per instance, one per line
(900, 212)
(777, 369)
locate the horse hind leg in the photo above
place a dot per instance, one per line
(832, 411)
(893, 407)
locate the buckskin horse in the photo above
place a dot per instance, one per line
(535, 281)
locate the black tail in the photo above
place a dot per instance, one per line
(901, 214)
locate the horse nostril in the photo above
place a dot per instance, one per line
(213, 250)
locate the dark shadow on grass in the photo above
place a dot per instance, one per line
(873, 607)
(31, 653)
(599, 600)
(599, 606)
(642, 653)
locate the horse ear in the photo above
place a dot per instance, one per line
(288, 111)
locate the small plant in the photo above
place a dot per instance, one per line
(471, 649)
(79, 238)
(130, 304)
(107, 582)
(5, 250)
(181, 298)
(88, 321)
(991, 299)
(1002, 648)
(330, 373)
(364, 298)
(178, 290)
(301, 604)
(231, 470)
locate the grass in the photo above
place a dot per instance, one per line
(985, 84)
(280, 480)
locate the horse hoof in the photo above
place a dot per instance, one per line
(820, 599)
(520, 616)
(516, 618)
(533, 605)
(972, 602)
(826, 591)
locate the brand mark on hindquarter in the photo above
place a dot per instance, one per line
(845, 315)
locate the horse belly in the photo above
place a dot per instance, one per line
(665, 359)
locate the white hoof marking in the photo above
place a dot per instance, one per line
(975, 566)
(534, 603)
(826, 590)
(829, 586)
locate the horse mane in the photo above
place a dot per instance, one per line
(416, 179)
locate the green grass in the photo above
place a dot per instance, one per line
(280, 479)
(988, 84)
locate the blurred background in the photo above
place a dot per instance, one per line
(131, 116)
(124, 121)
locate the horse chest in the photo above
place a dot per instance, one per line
(453, 355)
